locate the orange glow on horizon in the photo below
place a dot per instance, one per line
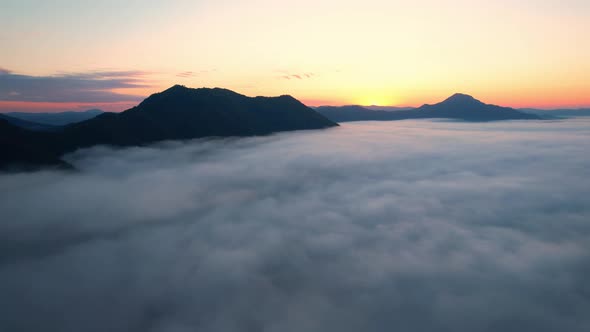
(541, 102)
(397, 53)
(41, 107)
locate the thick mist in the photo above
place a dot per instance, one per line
(373, 226)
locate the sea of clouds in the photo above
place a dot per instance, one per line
(372, 226)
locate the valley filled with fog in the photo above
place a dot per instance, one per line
(411, 225)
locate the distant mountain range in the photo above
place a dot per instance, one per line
(388, 108)
(356, 113)
(565, 113)
(29, 125)
(177, 113)
(56, 119)
(31, 140)
(459, 106)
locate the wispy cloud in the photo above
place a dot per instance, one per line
(189, 74)
(301, 76)
(83, 87)
(186, 74)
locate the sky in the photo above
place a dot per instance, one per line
(68, 55)
(419, 229)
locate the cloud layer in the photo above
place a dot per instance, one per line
(88, 87)
(407, 226)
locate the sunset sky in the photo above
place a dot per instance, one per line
(72, 55)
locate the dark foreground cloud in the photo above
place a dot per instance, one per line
(87, 87)
(400, 226)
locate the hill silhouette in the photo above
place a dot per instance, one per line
(58, 118)
(356, 113)
(175, 114)
(558, 113)
(458, 106)
(26, 124)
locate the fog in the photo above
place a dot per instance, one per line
(372, 226)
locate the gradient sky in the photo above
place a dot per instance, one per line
(61, 54)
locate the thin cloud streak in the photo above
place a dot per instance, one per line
(297, 76)
(186, 74)
(189, 74)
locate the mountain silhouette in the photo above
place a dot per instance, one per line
(184, 113)
(177, 113)
(458, 106)
(465, 107)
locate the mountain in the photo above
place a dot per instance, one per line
(184, 113)
(27, 124)
(56, 119)
(459, 106)
(176, 114)
(465, 107)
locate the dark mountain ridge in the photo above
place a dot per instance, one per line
(179, 113)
